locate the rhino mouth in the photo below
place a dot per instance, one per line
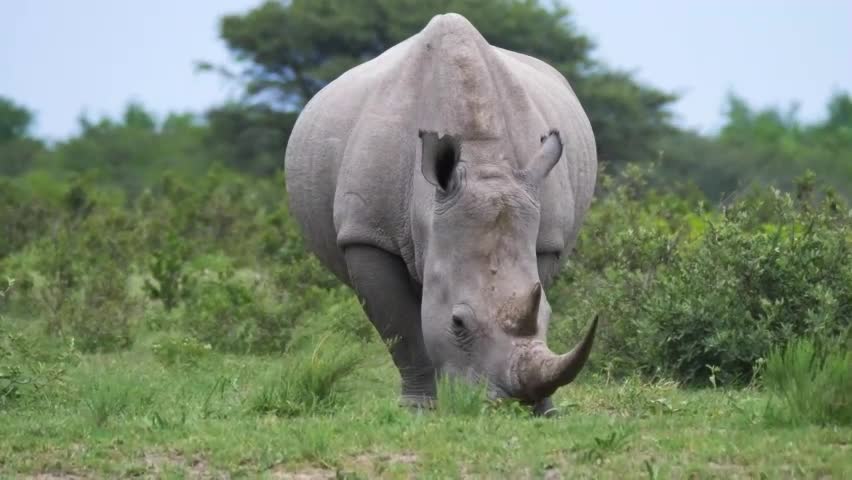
(536, 372)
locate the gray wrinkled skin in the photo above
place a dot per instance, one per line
(443, 181)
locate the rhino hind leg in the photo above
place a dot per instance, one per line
(382, 283)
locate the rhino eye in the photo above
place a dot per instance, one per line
(463, 336)
(463, 323)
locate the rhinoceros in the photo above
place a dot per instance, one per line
(444, 181)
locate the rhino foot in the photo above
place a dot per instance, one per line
(545, 408)
(417, 402)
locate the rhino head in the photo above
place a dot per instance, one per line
(484, 312)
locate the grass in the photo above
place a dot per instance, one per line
(310, 382)
(131, 414)
(809, 385)
(460, 399)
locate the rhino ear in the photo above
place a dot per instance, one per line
(440, 158)
(546, 158)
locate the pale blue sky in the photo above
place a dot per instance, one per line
(61, 58)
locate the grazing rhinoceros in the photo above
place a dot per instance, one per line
(429, 180)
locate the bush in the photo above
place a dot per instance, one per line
(739, 293)
(24, 215)
(83, 290)
(80, 270)
(316, 311)
(684, 296)
(4, 294)
(167, 267)
(76, 272)
(684, 290)
(220, 211)
(186, 351)
(30, 368)
(235, 312)
(99, 315)
(809, 384)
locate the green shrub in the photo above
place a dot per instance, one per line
(739, 293)
(682, 295)
(684, 290)
(220, 211)
(310, 381)
(24, 215)
(31, 368)
(173, 350)
(236, 312)
(99, 316)
(84, 293)
(809, 384)
(77, 272)
(4, 294)
(299, 272)
(168, 269)
(316, 311)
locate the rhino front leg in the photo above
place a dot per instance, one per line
(545, 408)
(382, 283)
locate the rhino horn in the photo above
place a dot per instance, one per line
(528, 323)
(542, 371)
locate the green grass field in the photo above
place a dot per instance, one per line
(133, 414)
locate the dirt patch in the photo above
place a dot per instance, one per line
(367, 459)
(374, 464)
(552, 473)
(54, 476)
(282, 473)
(195, 467)
(370, 464)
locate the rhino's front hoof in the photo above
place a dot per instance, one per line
(417, 403)
(545, 408)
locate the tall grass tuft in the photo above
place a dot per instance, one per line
(456, 397)
(111, 397)
(310, 381)
(809, 385)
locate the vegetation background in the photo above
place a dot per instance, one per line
(157, 302)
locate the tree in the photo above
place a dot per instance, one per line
(249, 137)
(839, 111)
(15, 120)
(290, 50)
(629, 120)
(770, 145)
(133, 151)
(18, 150)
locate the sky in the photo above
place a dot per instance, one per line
(62, 59)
